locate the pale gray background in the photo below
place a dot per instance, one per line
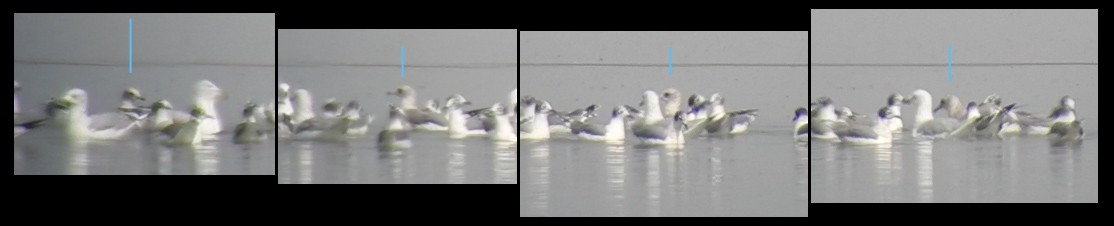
(158, 38)
(379, 47)
(922, 36)
(650, 47)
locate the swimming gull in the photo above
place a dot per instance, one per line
(503, 131)
(395, 135)
(614, 130)
(800, 125)
(669, 133)
(1065, 133)
(924, 124)
(894, 104)
(420, 119)
(76, 124)
(874, 134)
(458, 122)
(723, 123)
(249, 130)
(184, 133)
(952, 107)
(536, 127)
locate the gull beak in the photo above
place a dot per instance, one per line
(941, 106)
(140, 98)
(222, 95)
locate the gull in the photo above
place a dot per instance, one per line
(358, 127)
(822, 117)
(1062, 113)
(248, 131)
(894, 104)
(559, 122)
(395, 135)
(1065, 112)
(650, 101)
(825, 110)
(671, 100)
(670, 134)
(458, 122)
(71, 116)
(1064, 133)
(332, 129)
(969, 124)
(125, 115)
(205, 96)
(874, 134)
(613, 131)
(420, 119)
(283, 105)
(800, 125)
(924, 124)
(698, 108)
(953, 107)
(722, 123)
(502, 130)
(303, 103)
(537, 126)
(1010, 124)
(184, 133)
(990, 105)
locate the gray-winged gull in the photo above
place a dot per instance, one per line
(924, 124)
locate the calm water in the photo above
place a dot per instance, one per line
(434, 158)
(43, 152)
(1021, 169)
(761, 173)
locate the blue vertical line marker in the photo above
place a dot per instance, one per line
(402, 51)
(129, 45)
(949, 64)
(670, 62)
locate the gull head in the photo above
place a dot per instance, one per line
(132, 94)
(209, 91)
(1067, 102)
(161, 104)
(895, 99)
(72, 98)
(402, 91)
(283, 91)
(800, 112)
(456, 100)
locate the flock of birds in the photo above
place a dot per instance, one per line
(68, 113)
(985, 120)
(291, 116)
(648, 124)
(297, 120)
